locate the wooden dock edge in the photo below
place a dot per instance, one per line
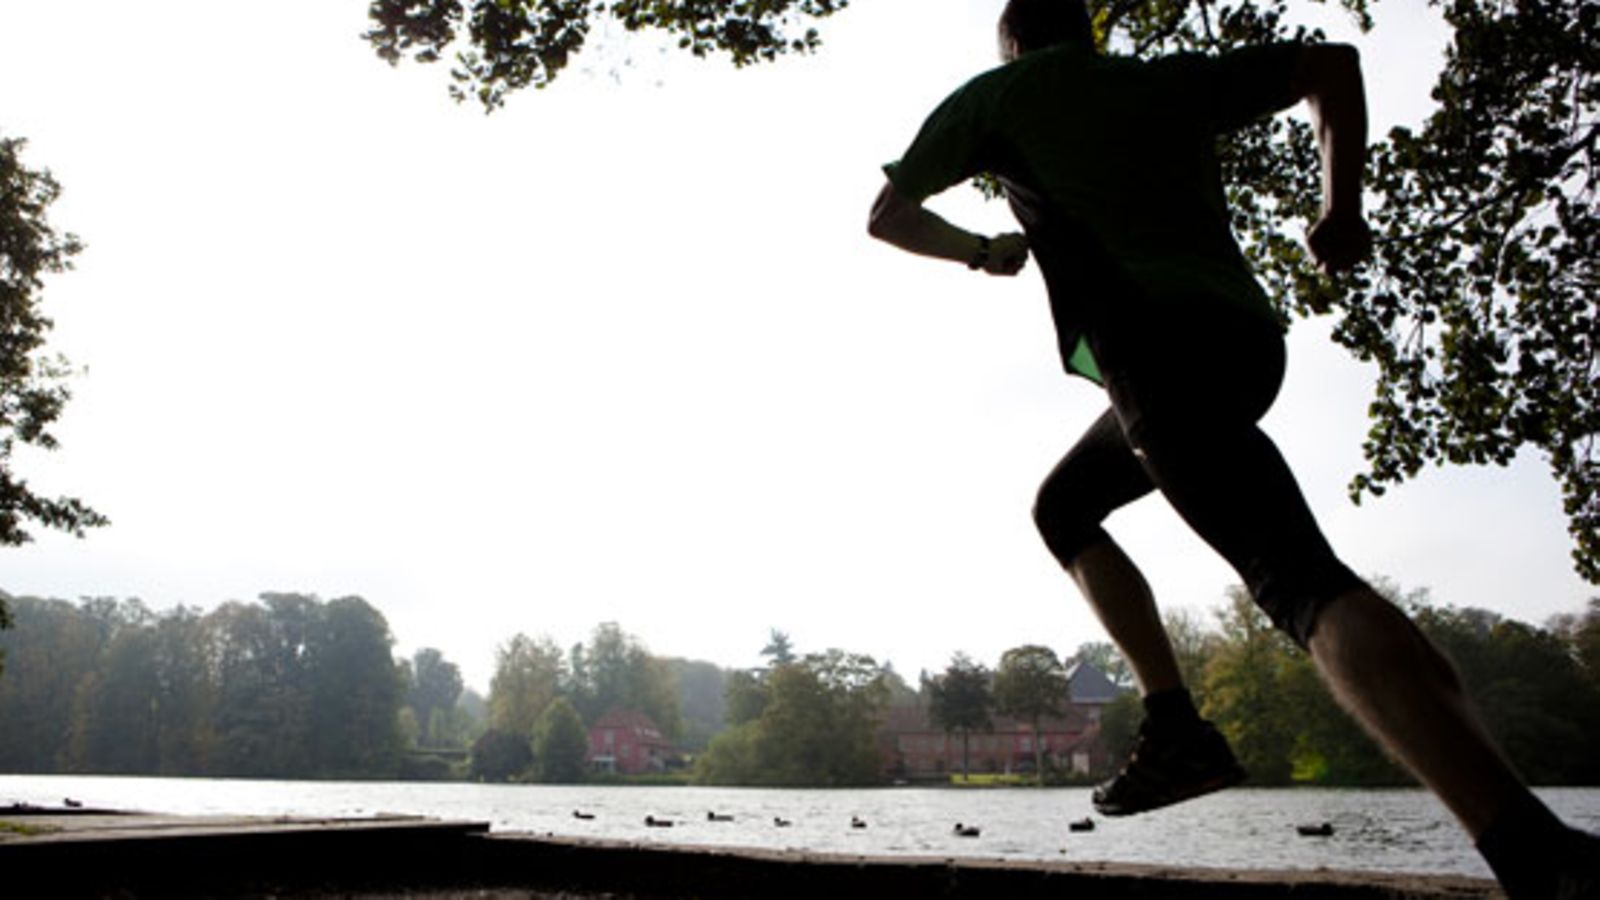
(654, 870)
(410, 857)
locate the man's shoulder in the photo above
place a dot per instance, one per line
(1025, 76)
(1062, 57)
(1066, 63)
(1187, 61)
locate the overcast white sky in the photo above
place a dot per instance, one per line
(621, 351)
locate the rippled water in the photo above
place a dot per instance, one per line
(1383, 830)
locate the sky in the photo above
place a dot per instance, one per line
(621, 351)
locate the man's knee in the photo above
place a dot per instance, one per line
(1067, 530)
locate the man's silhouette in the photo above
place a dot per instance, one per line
(1109, 165)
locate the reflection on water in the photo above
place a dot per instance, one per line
(1384, 830)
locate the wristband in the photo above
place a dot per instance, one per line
(981, 258)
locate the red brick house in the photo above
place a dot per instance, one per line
(628, 743)
(913, 748)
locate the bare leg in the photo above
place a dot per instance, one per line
(1121, 598)
(1178, 755)
(1382, 669)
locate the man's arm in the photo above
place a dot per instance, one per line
(1328, 78)
(909, 225)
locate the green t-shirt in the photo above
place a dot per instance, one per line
(1110, 165)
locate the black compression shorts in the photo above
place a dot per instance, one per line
(1186, 394)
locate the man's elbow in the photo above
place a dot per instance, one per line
(875, 223)
(888, 210)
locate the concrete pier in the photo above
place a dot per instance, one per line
(99, 854)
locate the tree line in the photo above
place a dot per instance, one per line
(813, 719)
(292, 686)
(287, 687)
(1537, 688)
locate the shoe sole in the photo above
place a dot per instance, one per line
(1198, 789)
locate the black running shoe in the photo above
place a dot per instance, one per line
(1169, 767)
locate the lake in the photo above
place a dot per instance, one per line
(1391, 830)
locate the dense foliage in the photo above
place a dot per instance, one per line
(32, 392)
(959, 700)
(561, 744)
(1537, 689)
(527, 678)
(702, 698)
(1478, 309)
(433, 700)
(811, 721)
(499, 755)
(616, 671)
(287, 687)
(1031, 683)
(535, 685)
(514, 44)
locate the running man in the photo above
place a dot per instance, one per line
(1109, 166)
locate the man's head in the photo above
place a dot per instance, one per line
(1029, 25)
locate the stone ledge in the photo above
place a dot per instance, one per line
(136, 856)
(726, 872)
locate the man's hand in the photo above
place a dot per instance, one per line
(1339, 241)
(1008, 253)
(907, 224)
(1328, 76)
